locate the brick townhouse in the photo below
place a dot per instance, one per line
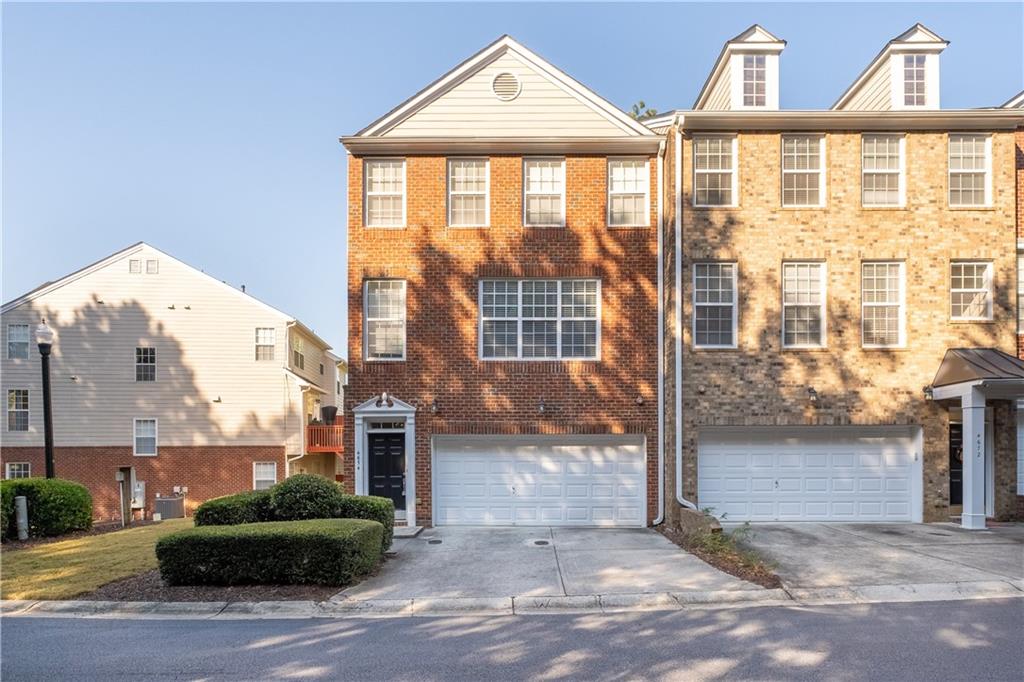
(1017, 102)
(822, 303)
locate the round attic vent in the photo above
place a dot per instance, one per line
(506, 86)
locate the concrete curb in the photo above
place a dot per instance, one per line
(515, 606)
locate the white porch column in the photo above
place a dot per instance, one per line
(973, 404)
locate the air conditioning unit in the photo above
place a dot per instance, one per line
(172, 507)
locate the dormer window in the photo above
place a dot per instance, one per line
(914, 80)
(754, 80)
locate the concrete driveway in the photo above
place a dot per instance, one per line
(833, 555)
(469, 562)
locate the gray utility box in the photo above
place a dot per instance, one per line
(172, 507)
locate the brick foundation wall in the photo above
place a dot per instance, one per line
(442, 267)
(207, 471)
(762, 384)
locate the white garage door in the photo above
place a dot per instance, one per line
(816, 474)
(539, 482)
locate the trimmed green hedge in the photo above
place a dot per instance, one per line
(250, 507)
(318, 552)
(303, 496)
(55, 506)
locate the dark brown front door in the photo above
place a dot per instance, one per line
(387, 467)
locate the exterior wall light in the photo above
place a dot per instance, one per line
(433, 406)
(639, 400)
(929, 393)
(541, 407)
(812, 395)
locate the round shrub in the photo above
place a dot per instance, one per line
(373, 508)
(55, 506)
(248, 507)
(305, 496)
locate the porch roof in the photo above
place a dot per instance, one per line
(1000, 374)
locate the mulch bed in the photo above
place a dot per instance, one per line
(732, 563)
(97, 529)
(149, 586)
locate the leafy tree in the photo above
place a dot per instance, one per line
(641, 111)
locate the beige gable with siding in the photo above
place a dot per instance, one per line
(209, 390)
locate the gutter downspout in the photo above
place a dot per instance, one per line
(678, 139)
(661, 338)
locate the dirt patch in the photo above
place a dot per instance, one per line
(149, 586)
(97, 529)
(721, 550)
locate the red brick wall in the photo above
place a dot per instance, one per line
(442, 267)
(1019, 137)
(207, 471)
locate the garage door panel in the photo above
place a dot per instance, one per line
(542, 484)
(763, 476)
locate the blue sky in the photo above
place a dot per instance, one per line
(210, 130)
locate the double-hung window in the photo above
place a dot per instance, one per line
(145, 437)
(1020, 297)
(17, 341)
(714, 305)
(18, 470)
(969, 169)
(882, 170)
(135, 266)
(266, 340)
(264, 475)
(298, 352)
(714, 170)
(385, 319)
(384, 180)
(803, 305)
(145, 364)
(913, 80)
(17, 409)
(754, 80)
(540, 319)
(803, 170)
(468, 193)
(628, 190)
(882, 305)
(971, 290)
(544, 192)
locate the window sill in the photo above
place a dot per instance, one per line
(980, 320)
(714, 207)
(713, 349)
(884, 208)
(804, 208)
(805, 349)
(139, 454)
(467, 227)
(384, 227)
(970, 208)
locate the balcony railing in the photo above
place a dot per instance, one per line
(323, 438)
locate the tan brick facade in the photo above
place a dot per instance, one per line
(442, 267)
(208, 472)
(762, 384)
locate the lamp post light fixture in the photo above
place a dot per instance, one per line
(44, 339)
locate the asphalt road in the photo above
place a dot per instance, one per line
(966, 640)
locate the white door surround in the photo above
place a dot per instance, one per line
(813, 473)
(392, 411)
(568, 480)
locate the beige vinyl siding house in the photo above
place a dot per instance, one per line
(223, 375)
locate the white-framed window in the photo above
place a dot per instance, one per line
(970, 169)
(17, 409)
(803, 305)
(266, 341)
(882, 170)
(714, 305)
(384, 311)
(18, 470)
(803, 170)
(628, 191)
(754, 80)
(913, 80)
(469, 192)
(544, 192)
(17, 341)
(1020, 295)
(882, 304)
(540, 319)
(152, 267)
(145, 431)
(145, 364)
(264, 475)
(298, 352)
(384, 193)
(714, 170)
(970, 290)
(135, 266)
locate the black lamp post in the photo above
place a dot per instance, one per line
(44, 338)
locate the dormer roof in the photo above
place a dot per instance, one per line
(917, 38)
(754, 39)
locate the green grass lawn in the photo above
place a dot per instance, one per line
(68, 568)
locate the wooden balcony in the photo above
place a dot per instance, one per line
(323, 438)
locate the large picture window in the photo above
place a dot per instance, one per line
(803, 305)
(384, 309)
(540, 319)
(714, 305)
